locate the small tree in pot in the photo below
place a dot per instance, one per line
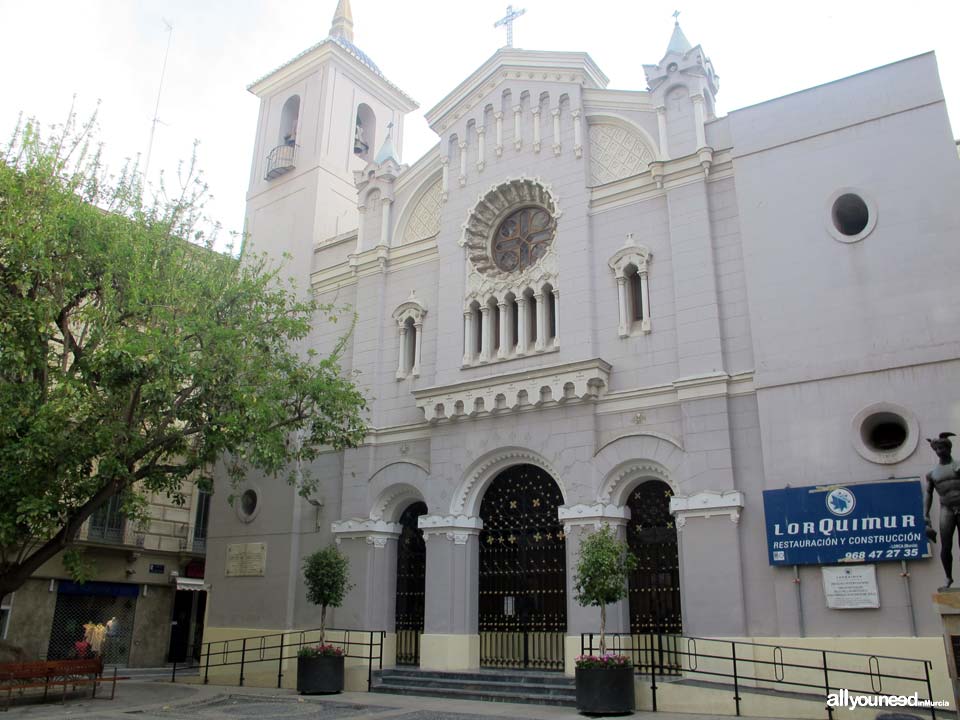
(320, 667)
(604, 681)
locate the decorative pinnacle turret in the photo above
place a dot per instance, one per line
(342, 25)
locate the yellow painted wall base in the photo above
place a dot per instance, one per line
(449, 652)
(262, 661)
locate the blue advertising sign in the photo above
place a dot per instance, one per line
(826, 524)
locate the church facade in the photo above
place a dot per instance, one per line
(589, 306)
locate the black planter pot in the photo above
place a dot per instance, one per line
(319, 674)
(605, 691)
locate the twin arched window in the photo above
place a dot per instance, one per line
(629, 266)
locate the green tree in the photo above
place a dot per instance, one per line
(326, 574)
(132, 360)
(602, 574)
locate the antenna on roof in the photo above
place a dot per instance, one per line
(156, 108)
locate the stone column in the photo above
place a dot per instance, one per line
(385, 204)
(556, 316)
(463, 163)
(522, 331)
(499, 118)
(417, 342)
(707, 529)
(517, 127)
(541, 321)
(445, 178)
(504, 310)
(401, 356)
(536, 128)
(361, 222)
(577, 134)
(645, 300)
(481, 147)
(578, 522)
(624, 328)
(486, 343)
(662, 129)
(468, 349)
(698, 120)
(557, 146)
(371, 547)
(451, 639)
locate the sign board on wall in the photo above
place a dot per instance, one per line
(246, 559)
(828, 524)
(850, 587)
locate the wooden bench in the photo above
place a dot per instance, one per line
(54, 673)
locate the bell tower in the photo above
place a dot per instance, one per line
(322, 116)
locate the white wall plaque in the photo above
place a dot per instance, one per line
(246, 559)
(850, 587)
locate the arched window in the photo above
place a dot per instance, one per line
(629, 266)
(289, 118)
(409, 318)
(365, 132)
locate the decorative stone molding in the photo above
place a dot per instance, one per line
(596, 515)
(639, 256)
(499, 200)
(411, 310)
(474, 481)
(424, 219)
(572, 382)
(613, 485)
(707, 504)
(456, 528)
(374, 532)
(697, 387)
(390, 498)
(617, 152)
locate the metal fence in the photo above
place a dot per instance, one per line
(262, 651)
(92, 625)
(742, 665)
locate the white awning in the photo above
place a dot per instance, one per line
(192, 584)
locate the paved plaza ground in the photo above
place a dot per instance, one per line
(158, 700)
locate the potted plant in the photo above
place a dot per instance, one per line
(605, 681)
(320, 667)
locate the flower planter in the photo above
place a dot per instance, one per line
(606, 690)
(320, 674)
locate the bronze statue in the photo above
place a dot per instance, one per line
(945, 479)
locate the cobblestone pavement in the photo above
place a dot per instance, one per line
(157, 700)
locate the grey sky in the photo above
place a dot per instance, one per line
(113, 50)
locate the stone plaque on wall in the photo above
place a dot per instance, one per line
(246, 559)
(847, 588)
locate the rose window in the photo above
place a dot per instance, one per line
(523, 238)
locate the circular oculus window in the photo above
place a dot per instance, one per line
(522, 238)
(885, 433)
(852, 215)
(248, 505)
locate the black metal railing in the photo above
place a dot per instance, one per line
(276, 648)
(772, 667)
(281, 159)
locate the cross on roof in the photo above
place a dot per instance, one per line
(507, 21)
(676, 16)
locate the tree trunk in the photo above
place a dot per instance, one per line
(603, 629)
(323, 621)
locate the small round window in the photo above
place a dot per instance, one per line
(885, 433)
(248, 505)
(852, 215)
(522, 238)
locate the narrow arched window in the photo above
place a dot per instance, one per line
(364, 132)
(635, 295)
(289, 119)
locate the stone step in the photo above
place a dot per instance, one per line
(522, 677)
(483, 696)
(520, 686)
(482, 685)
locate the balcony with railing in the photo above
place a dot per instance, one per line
(282, 159)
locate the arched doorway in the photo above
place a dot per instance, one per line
(523, 604)
(655, 583)
(411, 575)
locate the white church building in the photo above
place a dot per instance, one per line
(589, 305)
